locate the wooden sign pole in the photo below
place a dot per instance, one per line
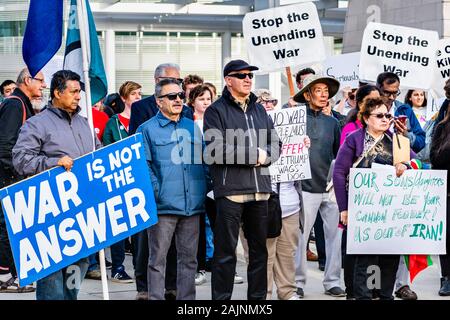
(290, 81)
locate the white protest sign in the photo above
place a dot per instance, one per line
(397, 215)
(344, 68)
(293, 163)
(284, 37)
(442, 72)
(407, 52)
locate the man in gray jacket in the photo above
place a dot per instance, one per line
(53, 138)
(325, 134)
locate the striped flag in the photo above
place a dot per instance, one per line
(73, 59)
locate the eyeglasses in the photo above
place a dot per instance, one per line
(242, 76)
(38, 79)
(273, 101)
(179, 80)
(387, 94)
(173, 95)
(382, 115)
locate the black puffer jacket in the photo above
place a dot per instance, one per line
(228, 139)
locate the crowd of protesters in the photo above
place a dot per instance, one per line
(228, 195)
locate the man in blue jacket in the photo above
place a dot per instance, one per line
(179, 183)
(142, 111)
(389, 85)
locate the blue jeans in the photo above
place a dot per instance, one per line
(64, 284)
(186, 232)
(117, 256)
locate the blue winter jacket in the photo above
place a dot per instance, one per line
(415, 133)
(174, 156)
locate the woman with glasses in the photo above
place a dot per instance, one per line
(370, 144)
(265, 98)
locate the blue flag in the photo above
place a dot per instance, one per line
(43, 33)
(73, 56)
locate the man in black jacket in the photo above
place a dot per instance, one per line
(13, 112)
(241, 143)
(145, 109)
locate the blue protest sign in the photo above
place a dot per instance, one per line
(58, 217)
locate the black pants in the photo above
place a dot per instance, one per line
(140, 260)
(349, 267)
(388, 265)
(210, 208)
(226, 231)
(320, 240)
(7, 177)
(445, 258)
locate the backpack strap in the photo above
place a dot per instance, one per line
(24, 111)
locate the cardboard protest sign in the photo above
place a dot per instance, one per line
(397, 215)
(293, 163)
(285, 36)
(407, 52)
(58, 217)
(344, 68)
(442, 64)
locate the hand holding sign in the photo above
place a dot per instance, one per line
(66, 162)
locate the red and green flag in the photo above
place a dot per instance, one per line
(417, 263)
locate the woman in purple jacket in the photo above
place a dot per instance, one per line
(374, 143)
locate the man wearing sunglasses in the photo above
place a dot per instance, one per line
(142, 111)
(240, 141)
(389, 85)
(179, 186)
(13, 112)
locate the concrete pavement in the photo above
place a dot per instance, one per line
(426, 285)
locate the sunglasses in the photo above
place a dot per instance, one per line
(387, 94)
(172, 96)
(382, 115)
(242, 76)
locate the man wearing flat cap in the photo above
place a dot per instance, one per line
(324, 133)
(241, 144)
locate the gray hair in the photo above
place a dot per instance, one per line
(24, 73)
(159, 86)
(160, 70)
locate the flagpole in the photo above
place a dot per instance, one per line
(82, 25)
